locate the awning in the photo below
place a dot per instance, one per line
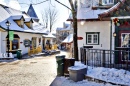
(49, 36)
(68, 39)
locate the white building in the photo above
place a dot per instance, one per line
(27, 32)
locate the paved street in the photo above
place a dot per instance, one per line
(38, 71)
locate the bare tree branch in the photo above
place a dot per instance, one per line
(49, 16)
(63, 5)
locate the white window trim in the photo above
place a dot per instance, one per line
(108, 3)
(92, 41)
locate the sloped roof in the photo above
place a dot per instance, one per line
(65, 29)
(84, 13)
(10, 14)
(17, 17)
(3, 14)
(49, 36)
(112, 9)
(68, 39)
(15, 27)
(31, 12)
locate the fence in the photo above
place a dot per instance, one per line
(119, 59)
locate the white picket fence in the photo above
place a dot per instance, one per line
(5, 55)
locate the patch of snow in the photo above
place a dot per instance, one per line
(14, 4)
(2, 2)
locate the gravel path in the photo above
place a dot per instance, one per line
(38, 71)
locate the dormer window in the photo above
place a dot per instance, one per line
(28, 22)
(19, 20)
(107, 2)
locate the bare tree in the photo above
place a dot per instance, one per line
(73, 5)
(49, 17)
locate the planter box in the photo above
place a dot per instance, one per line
(78, 74)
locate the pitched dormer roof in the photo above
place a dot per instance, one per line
(28, 20)
(31, 12)
(17, 17)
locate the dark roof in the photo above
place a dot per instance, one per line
(112, 9)
(31, 12)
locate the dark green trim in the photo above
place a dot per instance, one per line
(93, 33)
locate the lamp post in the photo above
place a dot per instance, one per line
(8, 24)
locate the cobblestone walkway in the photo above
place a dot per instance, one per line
(38, 71)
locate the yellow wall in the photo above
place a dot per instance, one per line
(28, 24)
(18, 22)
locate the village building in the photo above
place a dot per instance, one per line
(27, 33)
(103, 24)
(63, 35)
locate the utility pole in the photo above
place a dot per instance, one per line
(74, 20)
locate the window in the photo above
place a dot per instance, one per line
(92, 38)
(14, 44)
(107, 2)
(34, 42)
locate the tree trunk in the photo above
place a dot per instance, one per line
(75, 36)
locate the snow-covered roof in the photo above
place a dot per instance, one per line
(3, 14)
(28, 20)
(15, 27)
(68, 39)
(17, 17)
(11, 14)
(86, 12)
(49, 36)
(89, 13)
(65, 29)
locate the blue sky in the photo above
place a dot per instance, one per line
(63, 11)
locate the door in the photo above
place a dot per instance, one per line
(125, 44)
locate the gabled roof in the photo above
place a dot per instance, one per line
(31, 12)
(68, 39)
(17, 17)
(28, 20)
(112, 9)
(11, 14)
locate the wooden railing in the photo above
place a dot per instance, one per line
(35, 50)
(39, 49)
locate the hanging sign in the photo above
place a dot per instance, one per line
(11, 35)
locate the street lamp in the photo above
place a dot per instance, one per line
(8, 24)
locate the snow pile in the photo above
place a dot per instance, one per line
(66, 82)
(110, 75)
(78, 66)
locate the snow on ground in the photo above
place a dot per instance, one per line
(62, 81)
(107, 74)
(110, 75)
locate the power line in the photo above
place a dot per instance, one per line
(35, 3)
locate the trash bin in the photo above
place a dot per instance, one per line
(76, 73)
(67, 63)
(60, 65)
(19, 54)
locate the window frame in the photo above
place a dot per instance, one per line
(10, 44)
(92, 38)
(108, 2)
